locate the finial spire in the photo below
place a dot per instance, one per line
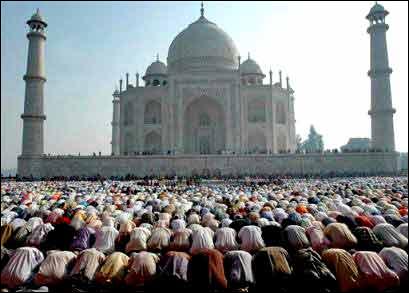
(157, 57)
(248, 55)
(201, 10)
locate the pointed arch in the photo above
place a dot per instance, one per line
(153, 143)
(257, 142)
(153, 113)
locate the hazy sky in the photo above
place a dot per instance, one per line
(323, 47)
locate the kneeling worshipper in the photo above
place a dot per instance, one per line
(367, 240)
(390, 236)
(105, 236)
(375, 275)
(273, 235)
(296, 237)
(87, 264)
(310, 272)
(160, 239)
(315, 233)
(250, 237)
(403, 229)
(397, 260)
(172, 271)
(225, 239)
(141, 268)
(202, 238)
(125, 228)
(138, 240)
(39, 234)
(206, 271)
(84, 238)
(180, 240)
(271, 266)
(113, 271)
(20, 267)
(340, 236)
(238, 269)
(343, 265)
(54, 268)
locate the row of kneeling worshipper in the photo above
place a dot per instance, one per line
(336, 270)
(339, 235)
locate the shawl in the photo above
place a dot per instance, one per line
(311, 272)
(83, 239)
(20, 266)
(87, 264)
(201, 239)
(105, 239)
(138, 238)
(296, 238)
(390, 236)
(374, 273)
(397, 260)
(251, 239)
(403, 229)
(206, 270)
(160, 239)
(238, 268)
(317, 238)
(142, 267)
(225, 239)
(180, 240)
(175, 265)
(114, 268)
(367, 239)
(6, 232)
(340, 235)
(270, 265)
(54, 268)
(342, 264)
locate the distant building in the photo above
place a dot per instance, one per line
(357, 144)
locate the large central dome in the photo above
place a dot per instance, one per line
(202, 46)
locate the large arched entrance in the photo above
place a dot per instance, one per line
(257, 142)
(204, 127)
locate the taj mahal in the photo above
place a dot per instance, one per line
(205, 101)
(206, 111)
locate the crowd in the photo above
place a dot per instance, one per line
(333, 235)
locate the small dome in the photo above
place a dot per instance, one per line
(250, 67)
(36, 17)
(376, 11)
(377, 8)
(156, 68)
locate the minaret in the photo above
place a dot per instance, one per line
(33, 117)
(115, 123)
(381, 112)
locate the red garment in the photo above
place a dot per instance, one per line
(301, 210)
(403, 212)
(364, 221)
(63, 219)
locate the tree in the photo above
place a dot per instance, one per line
(314, 143)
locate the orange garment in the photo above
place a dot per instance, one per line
(342, 264)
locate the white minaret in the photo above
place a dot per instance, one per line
(115, 123)
(33, 117)
(381, 112)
